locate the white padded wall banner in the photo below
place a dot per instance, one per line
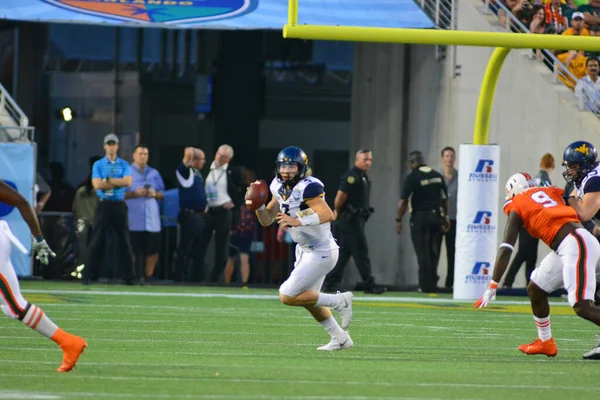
(17, 166)
(476, 220)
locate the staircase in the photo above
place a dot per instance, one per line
(14, 124)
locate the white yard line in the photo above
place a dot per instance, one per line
(220, 367)
(25, 395)
(317, 382)
(273, 297)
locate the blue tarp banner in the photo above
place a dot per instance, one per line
(17, 170)
(219, 14)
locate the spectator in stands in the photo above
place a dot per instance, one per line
(591, 12)
(575, 62)
(594, 31)
(142, 196)
(62, 193)
(557, 14)
(577, 28)
(242, 236)
(588, 87)
(520, 9)
(225, 194)
(538, 25)
(538, 20)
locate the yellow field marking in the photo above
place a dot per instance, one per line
(519, 309)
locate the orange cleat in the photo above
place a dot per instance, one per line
(547, 347)
(72, 348)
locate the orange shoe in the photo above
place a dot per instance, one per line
(72, 348)
(547, 347)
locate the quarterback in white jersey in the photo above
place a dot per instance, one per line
(580, 160)
(298, 203)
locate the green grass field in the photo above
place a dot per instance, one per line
(215, 343)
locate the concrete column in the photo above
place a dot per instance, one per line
(378, 113)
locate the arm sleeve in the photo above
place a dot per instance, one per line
(408, 187)
(592, 185)
(183, 170)
(97, 171)
(347, 183)
(160, 183)
(312, 190)
(508, 206)
(126, 169)
(444, 189)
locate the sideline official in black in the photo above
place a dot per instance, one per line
(352, 210)
(429, 217)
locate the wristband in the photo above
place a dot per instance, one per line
(310, 220)
(398, 219)
(493, 284)
(263, 207)
(39, 239)
(508, 246)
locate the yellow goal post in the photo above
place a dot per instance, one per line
(503, 41)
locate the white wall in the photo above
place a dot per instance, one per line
(530, 116)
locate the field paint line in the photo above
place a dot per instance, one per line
(216, 367)
(345, 356)
(281, 310)
(221, 343)
(26, 395)
(276, 310)
(273, 297)
(216, 396)
(463, 333)
(320, 382)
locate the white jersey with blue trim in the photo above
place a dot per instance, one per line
(293, 201)
(591, 183)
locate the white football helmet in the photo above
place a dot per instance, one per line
(518, 183)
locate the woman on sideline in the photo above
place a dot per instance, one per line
(242, 236)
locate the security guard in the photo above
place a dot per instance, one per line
(352, 210)
(429, 217)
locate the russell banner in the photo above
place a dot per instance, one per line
(476, 220)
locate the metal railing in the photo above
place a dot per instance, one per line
(587, 101)
(12, 108)
(13, 134)
(441, 12)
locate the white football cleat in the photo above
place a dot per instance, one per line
(593, 354)
(345, 309)
(336, 344)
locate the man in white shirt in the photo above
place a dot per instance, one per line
(225, 194)
(587, 89)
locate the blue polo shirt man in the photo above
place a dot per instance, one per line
(192, 206)
(111, 176)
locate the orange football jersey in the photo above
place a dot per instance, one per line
(542, 210)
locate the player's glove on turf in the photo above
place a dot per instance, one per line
(42, 251)
(489, 295)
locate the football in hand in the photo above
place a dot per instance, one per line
(256, 195)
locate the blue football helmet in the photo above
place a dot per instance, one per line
(579, 159)
(292, 155)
